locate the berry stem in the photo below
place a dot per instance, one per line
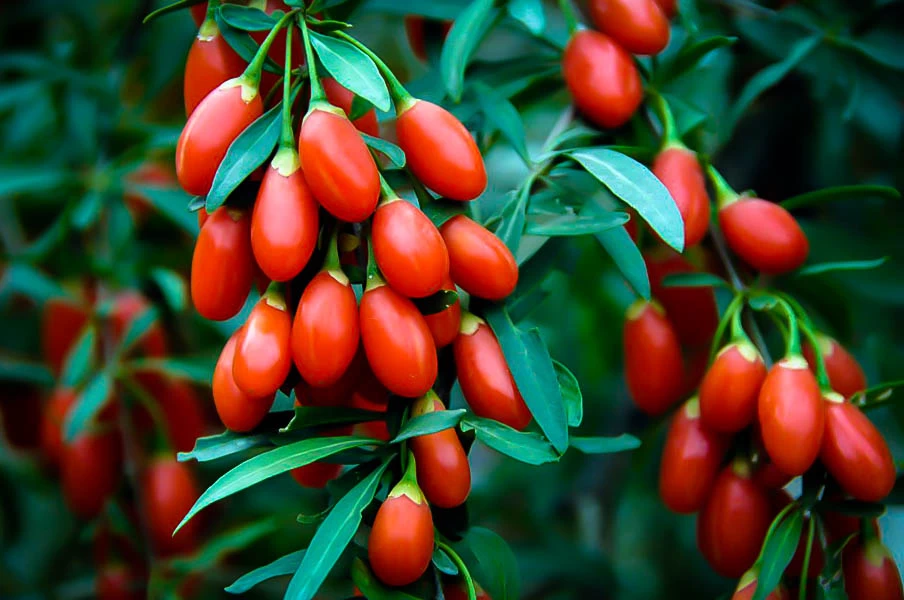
(209, 27)
(402, 99)
(794, 347)
(725, 194)
(822, 376)
(462, 568)
(252, 75)
(730, 311)
(571, 17)
(670, 137)
(318, 96)
(386, 191)
(287, 136)
(737, 329)
(374, 278)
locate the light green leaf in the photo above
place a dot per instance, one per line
(80, 358)
(571, 395)
(467, 32)
(284, 565)
(605, 445)
(844, 265)
(575, 225)
(778, 550)
(87, 405)
(503, 115)
(842, 192)
(395, 154)
(173, 287)
(529, 13)
(353, 69)
(429, 423)
(527, 447)
(223, 444)
(687, 280)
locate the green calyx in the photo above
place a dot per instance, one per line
(286, 161)
(274, 297)
(725, 195)
(374, 278)
(425, 404)
(469, 323)
(670, 137)
(331, 263)
(408, 486)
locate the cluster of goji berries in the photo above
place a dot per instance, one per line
(324, 208)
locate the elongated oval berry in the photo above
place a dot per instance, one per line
(325, 332)
(52, 419)
(870, 572)
(845, 373)
(337, 166)
(692, 311)
(479, 262)
(62, 321)
(211, 61)
(401, 542)
(444, 324)
(409, 249)
(263, 354)
(733, 522)
(679, 171)
(285, 220)
(602, 78)
(237, 410)
(170, 490)
(764, 235)
(440, 151)
(855, 453)
(747, 587)
(222, 267)
(343, 98)
(484, 375)
(215, 123)
(90, 469)
(731, 386)
(791, 415)
(443, 471)
(640, 26)
(653, 363)
(398, 343)
(690, 460)
(117, 581)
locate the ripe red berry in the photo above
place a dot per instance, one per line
(854, 451)
(731, 386)
(639, 26)
(170, 490)
(692, 311)
(669, 7)
(440, 151)
(443, 471)
(263, 354)
(338, 166)
(679, 170)
(220, 117)
(285, 220)
(733, 522)
(764, 235)
(484, 375)
(222, 267)
(870, 572)
(409, 249)
(690, 460)
(343, 98)
(398, 343)
(479, 262)
(62, 321)
(211, 61)
(325, 332)
(845, 373)
(791, 415)
(444, 324)
(58, 405)
(401, 542)
(90, 469)
(653, 363)
(237, 410)
(120, 582)
(602, 78)
(199, 13)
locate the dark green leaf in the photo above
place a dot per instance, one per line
(881, 47)
(638, 187)
(513, 217)
(436, 303)
(503, 116)
(215, 550)
(688, 280)
(272, 463)
(32, 180)
(284, 565)
(439, 211)
(245, 18)
(80, 358)
(763, 302)
(627, 258)
(572, 225)
(170, 8)
(605, 445)
(14, 369)
(173, 287)
(571, 395)
(314, 416)
(223, 444)
(87, 210)
(527, 447)
(137, 328)
(244, 45)
(353, 69)
(395, 154)
(844, 265)
(25, 280)
(88, 404)
(443, 563)
(778, 550)
(877, 395)
(853, 508)
(371, 587)
(360, 107)
(843, 192)
(333, 536)
(429, 423)
(467, 32)
(196, 369)
(496, 568)
(529, 13)
(171, 203)
(691, 54)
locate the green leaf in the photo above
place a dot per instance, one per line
(513, 217)
(467, 32)
(223, 444)
(353, 69)
(395, 154)
(314, 416)
(627, 257)
(778, 550)
(436, 303)
(534, 375)
(688, 280)
(638, 187)
(571, 394)
(88, 404)
(763, 302)
(196, 369)
(245, 18)
(171, 203)
(529, 13)
(272, 463)
(439, 211)
(527, 447)
(173, 288)
(503, 115)
(14, 369)
(87, 210)
(333, 535)
(371, 587)
(360, 107)
(32, 180)
(213, 551)
(843, 192)
(574, 225)
(80, 358)
(443, 563)
(284, 565)
(170, 8)
(881, 47)
(246, 153)
(244, 45)
(25, 280)
(853, 508)
(691, 54)
(137, 328)
(605, 445)
(496, 567)
(429, 423)
(843, 265)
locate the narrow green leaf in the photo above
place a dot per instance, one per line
(25, 280)
(353, 69)
(429, 423)
(80, 358)
(333, 536)
(88, 404)
(853, 508)
(244, 45)
(842, 192)
(137, 328)
(877, 395)
(246, 153)
(14, 369)
(443, 563)
(844, 265)
(571, 395)
(315, 416)
(32, 180)
(778, 550)
(529, 13)
(575, 225)
(437, 302)
(467, 32)
(496, 567)
(395, 154)
(691, 54)
(503, 115)
(245, 18)
(196, 369)
(170, 8)
(439, 211)
(638, 188)
(527, 447)
(513, 217)
(173, 288)
(87, 210)
(687, 280)
(371, 587)
(284, 565)
(214, 550)
(605, 445)
(360, 107)
(223, 444)
(624, 252)
(171, 203)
